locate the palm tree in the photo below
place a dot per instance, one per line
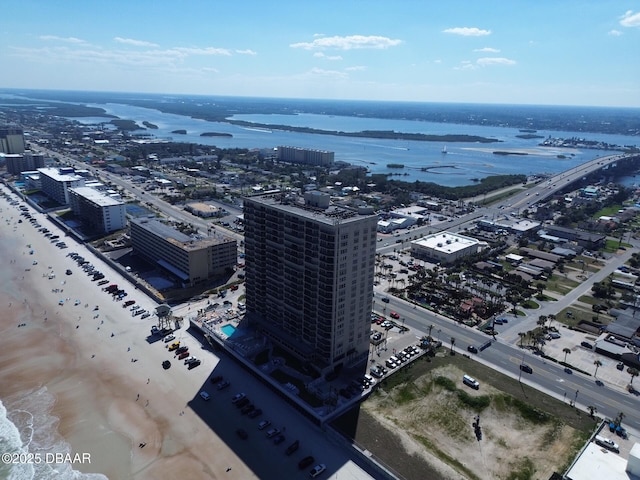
(566, 352)
(453, 342)
(430, 328)
(598, 364)
(521, 335)
(551, 318)
(542, 319)
(633, 372)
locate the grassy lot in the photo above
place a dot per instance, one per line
(408, 387)
(561, 284)
(610, 211)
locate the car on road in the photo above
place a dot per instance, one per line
(205, 395)
(526, 368)
(237, 397)
(306, 462)
(264, 424)
(472, 349)
(317, 470)
(385, 299)
(395, 315)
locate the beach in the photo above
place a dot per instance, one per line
(79, 375)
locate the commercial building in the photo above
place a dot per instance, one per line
(307, 156)
(56, 183)
(192, 259)
(101, 211)
(444, 247)
(22, 162)
(309, 276)
(11, 139)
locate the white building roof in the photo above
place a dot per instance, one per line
(446, 242)
(55, 174)
(96, 196)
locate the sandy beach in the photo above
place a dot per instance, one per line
(109, 392)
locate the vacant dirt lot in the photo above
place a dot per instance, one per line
(420, 424)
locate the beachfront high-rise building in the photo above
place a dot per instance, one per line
(23, 162)
(309, 276)
(101, 211)
(11, 139)
(307, 156)
(193, 260)
(56, 183)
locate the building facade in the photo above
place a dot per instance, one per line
(56, 183)
(23, 162)
(11, 139)
(193, 260)
(307, 156)
(309, 276)
(97, 209)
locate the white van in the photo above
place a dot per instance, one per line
(470, 381)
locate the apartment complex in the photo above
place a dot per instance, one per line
(23, 162)
(101, 211)
(305, 155)
(56, 183)
(11, 139)
(309, 276)
(193, 260)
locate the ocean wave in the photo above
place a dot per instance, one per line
(27, 427)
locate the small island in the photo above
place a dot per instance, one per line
(150, 125)
(180, 132)
(529, 136)
(395, 165)
(215, 134)
(503, 152)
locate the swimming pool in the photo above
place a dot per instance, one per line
(228, 329)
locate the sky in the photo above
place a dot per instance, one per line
(546, 52)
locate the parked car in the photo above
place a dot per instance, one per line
(205, 395)
(306, 462)
(222, 385)
(255, 413)
(237, 397)
(292, 448)
(317, 470)
(272, 432)
(264, 424)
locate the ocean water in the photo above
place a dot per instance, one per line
(27, 428)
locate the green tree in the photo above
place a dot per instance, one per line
(598, 364)
(566, 351)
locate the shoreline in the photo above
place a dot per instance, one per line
(105, 403)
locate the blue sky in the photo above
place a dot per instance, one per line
(482, 51)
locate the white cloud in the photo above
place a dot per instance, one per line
(614, 33)
(465, 65)
(319, 72)
(55, 38)
(630, 19)
(351, 42)
(327, 57)
(246, 52)
(487, 50)
(135, 43)
(201, 51)
(468, 31)
(486, 61)
(356, 68)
